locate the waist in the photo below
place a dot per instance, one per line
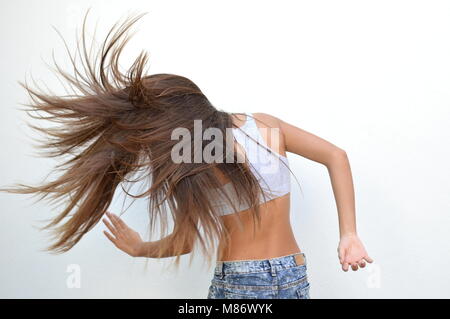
(260, 265)
(249, 240)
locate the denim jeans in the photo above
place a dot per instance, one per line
(275, 278)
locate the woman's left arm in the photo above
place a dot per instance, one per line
(351, 251)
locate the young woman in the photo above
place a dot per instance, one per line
(225, 182)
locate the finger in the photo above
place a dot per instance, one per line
(345, 267)
(111, 238)
(111, 228)
(109, 214)
(354, 267)
(118, 223)
(121, 222)
(368, 259)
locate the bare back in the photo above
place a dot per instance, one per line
(273, 237)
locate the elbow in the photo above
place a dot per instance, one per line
(337, 156)
(339, 153)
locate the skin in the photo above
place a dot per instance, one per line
(274, 236)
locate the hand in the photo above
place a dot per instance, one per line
(123, 237)
(352, 253)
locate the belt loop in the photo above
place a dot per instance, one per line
(219, 269)
(273, 271)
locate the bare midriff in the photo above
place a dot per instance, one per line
(273, 237)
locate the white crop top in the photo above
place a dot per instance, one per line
(271, 169)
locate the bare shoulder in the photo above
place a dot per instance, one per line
(266, 120)
(274, 139)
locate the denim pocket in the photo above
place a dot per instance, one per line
(293, 276)
(245, 280)
(235, 295)
(299, 267)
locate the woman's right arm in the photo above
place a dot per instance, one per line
(150, 249)
(130, 242)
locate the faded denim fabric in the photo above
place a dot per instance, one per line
(275, 278)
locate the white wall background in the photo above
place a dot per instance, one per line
(372, 77)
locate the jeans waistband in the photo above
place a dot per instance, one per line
(260, 265)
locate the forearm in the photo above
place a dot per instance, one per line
(342, 184)
(151, 249)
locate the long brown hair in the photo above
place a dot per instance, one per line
(116, 123)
